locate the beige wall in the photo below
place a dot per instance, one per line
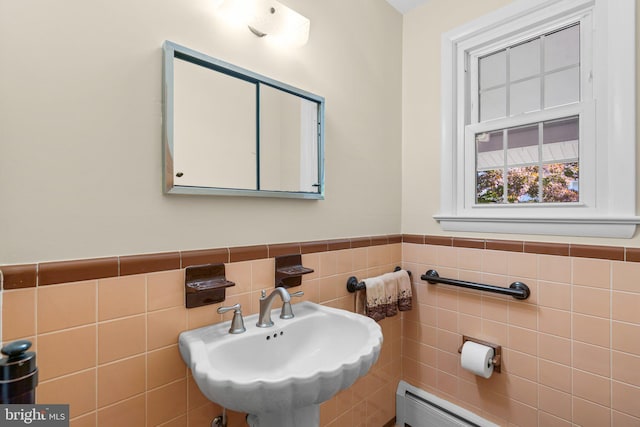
(422, 31)
(80, 113)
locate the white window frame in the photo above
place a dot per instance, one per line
(607, 206)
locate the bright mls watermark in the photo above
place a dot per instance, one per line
(34, 415)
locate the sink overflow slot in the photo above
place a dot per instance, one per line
(275, 335)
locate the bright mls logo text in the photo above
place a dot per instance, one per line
(38, 415)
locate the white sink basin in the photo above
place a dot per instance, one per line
(297, 363)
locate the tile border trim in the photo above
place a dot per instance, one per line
(612, 253)
(49, 273)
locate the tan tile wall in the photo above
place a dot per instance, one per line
(571, 351)
(108, 347)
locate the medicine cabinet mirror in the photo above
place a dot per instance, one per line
(230, 131)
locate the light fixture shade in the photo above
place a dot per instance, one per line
(269, 18)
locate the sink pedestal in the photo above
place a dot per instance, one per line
(307, 416)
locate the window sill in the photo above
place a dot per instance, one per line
(614, 227)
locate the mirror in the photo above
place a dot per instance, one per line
(229, 131)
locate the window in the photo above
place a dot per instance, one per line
(539, 120)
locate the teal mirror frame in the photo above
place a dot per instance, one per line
(172, 51)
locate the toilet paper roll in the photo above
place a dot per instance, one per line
(476, 358)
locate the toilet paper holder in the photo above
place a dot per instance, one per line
(496, 361)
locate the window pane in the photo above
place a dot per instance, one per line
(562, 48)
(489, 186)
(562, 87)
(490, 150)
(540, 161)
(493, 70)
(524, 60)
(560, 182)
(525, 96)
(493, 104)
(522, 184)
(522, 146)
(560, 140)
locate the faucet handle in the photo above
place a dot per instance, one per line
(223, 310)
(287, 312)
(237, 323)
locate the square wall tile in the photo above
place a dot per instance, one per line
(128, 413)
(555, 402)
(377, 256)
(167, 402)
(65, 306)
(18, 313)
(591, 358)
(121, 296)
(592, 301)
(554, 295)
(625, 398)
(525, 391)
(555, 375)
(240, 274)
(121, 380)
(586, 413)
(494, 309)
(523, 315)
(626, 368)
(164, 326)
(447, 298)
(548, 420)
(593, 388)
(625, 276)
(523, 340)
(470, 259)
(78, 389)
(87, 420)
(554, 322)
(165, 366)
(521, 364)
(624, 420)
(165, 289)
(625, 337)
(66, 352)
(470, 303)
(121, 338)
(626, 307)
(522, 265)
(328, 263)
(263, 274)
(592, 272)
(554, 269)
(494, 262)
(359, 258)
(553, 348)
(591, 330)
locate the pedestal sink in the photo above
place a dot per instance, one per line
(280, 375)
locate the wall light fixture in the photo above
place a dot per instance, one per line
(269, 18)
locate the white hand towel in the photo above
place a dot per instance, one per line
(376, 298)
(391, 294)
(404, 290)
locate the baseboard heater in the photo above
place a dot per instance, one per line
(417, 408)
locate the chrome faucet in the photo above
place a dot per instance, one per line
(264, 318)
(287, 312)
(237, 324)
